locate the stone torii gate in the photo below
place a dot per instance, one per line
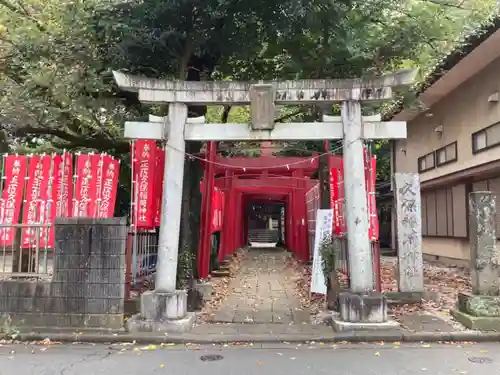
(165, 308)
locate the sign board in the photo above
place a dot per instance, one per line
(324, 225)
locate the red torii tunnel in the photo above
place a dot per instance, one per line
(236, 183)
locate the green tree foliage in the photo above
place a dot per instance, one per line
(57, 57)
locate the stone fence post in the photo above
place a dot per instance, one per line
(481, 308)
(484, 257)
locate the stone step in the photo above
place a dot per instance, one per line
(220, 273)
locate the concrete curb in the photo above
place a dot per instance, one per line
(351, 337)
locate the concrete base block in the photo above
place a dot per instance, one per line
(138, 324)
(396, 298)
(481, 323)
(132, 306)
(363, 308)
(158, 306)
(205, 289)
(479, 305)
(162, 312)
(342, 326)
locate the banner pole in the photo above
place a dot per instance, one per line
(99, 187)
(76, 202)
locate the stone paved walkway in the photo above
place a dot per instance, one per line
(262, 292)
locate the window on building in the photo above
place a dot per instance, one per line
(486, 138)
(444, 212)
(426, 162)
(446, 154)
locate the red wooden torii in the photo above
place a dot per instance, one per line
(233, 182)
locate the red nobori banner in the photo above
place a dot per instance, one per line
(109, 170)
(334, 192)
(158, 188)
(144, 152)
(86, 185)
(338, 202)
(62, 193)
(62, 190)
(341, 199)
(372, 202)
(370, 181)
(12, 196)
(35, 210)
(217, 203)
(99, 184)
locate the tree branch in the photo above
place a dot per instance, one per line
(23, 13)
(290, 115)
(448, 4)
(74, 140)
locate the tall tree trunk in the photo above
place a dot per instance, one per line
(191, 195)
(190, 220)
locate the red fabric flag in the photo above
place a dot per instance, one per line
(63, 185)
(35, 210)
(374, 226)
(109, 187)
(220, 198)
(213, 216)
(334, 186)
(62, 192)
(144, 171)
(370, 181)
(86, 185)
(158, 188)
(341, 200)
(216, 211)
(222, 208)
(99, 184)
(12, 196)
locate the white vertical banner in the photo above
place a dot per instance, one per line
(324, 226)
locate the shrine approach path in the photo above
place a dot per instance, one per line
(263, 292)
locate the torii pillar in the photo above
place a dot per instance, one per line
(165, 309)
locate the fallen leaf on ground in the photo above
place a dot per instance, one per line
(442, 284)
(220, 289)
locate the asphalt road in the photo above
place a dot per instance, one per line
(286, 359)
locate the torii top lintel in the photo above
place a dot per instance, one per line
(285, 92)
